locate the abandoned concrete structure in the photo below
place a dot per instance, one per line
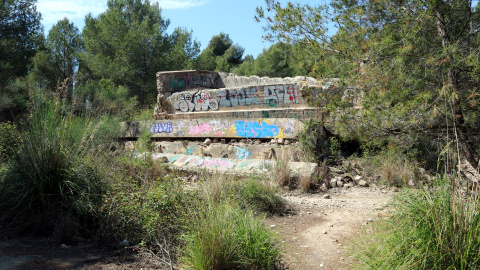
(224, 121)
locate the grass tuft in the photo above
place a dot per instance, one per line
(434, 229)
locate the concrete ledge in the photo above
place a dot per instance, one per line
(236, 150)
(296, 170)
(217, 128)
(295, 113)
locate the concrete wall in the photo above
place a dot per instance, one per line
(218, 128)
(240, 167)
(194, 91)
(225, 99)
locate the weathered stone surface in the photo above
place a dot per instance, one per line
(223, 128)
(294, 113)
(363, 183)
(233, 166)
(196, 91)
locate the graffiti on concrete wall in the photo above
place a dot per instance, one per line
(190, 150)
(199, 101)
(238, 97)
(161, 128)
(200, 129)
(206, 80)
(280, 94)
(213, 100)
(242, 153)
(251, 129)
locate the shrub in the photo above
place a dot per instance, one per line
(103, 98)
(434, 229)
(52, 174)
(249, 193)
(252, 193)
(142, 205)
(393, 167)
(9, 139)
(312, 141)
(224, 236)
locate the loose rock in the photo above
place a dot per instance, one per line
(363, 183)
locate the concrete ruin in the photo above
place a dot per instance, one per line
(217, 115)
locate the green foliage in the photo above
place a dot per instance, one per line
(312, 141)
(252, 193)
(128, 44)
(53, 173)
(105, 97)
(224, 236)
(392, 165)
(9, 140)
(184, 50)
(434, 229)
(59, 59)
(14, 100)
(220, 54)
(414, 66)
(22, 33)
(142, 205)
(278, 60)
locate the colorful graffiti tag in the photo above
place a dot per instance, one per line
(200, 129)
(256, 129)
(161, 128)
(200, 101)
(242, 153)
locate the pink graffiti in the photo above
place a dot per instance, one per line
(200, 129)
(214, 163)
(219, 133)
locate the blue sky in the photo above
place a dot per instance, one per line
(205, 17)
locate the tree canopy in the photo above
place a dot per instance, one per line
(20, 36)
(128, 44)
(220, 54)
(414, 64)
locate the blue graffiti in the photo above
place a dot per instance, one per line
(256, 129)
(242, 153)
(190, 150)
(161, 127)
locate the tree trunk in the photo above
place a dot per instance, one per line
(466, 148)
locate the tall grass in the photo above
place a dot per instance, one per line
(434, 229)
(52, 174)
(225, 236)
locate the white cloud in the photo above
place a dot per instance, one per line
(181, 4)
(55, 10)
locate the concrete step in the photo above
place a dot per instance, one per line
(217, 128)
(241, 149)
(294, 170)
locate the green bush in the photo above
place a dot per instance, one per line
(252, 193)
(9, 139)
(249, 193)
(53, 173)
(312, 141)
(142, 204)
(434, 229)
(105, 98)
(225, 236)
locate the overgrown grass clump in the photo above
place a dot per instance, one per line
(144, 203)
(226, 236)
(52, 173)
(67, 178)
(434, 229)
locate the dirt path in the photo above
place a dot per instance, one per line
(316, 235)
(319, 232)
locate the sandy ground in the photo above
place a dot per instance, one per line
(320, 232)
(316, 233)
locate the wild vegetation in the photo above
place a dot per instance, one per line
(408, 78)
